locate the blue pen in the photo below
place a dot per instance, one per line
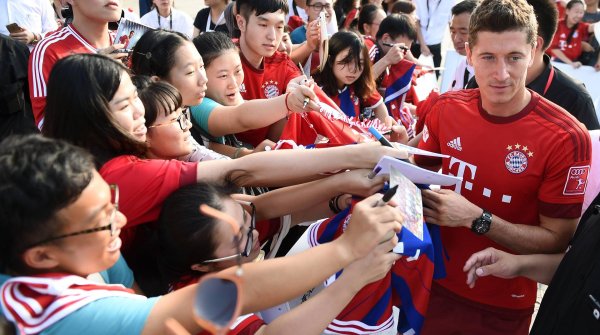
(383, 140)
(380, 137)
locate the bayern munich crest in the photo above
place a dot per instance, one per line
(517, 159)
(270, 88)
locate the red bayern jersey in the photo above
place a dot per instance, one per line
(572, 48)
(48, 51)
(267, 82)
(352, 105)
(533, 163)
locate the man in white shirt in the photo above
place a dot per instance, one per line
(35, 18)
(459, 32)
(165, 16)
(432, 20)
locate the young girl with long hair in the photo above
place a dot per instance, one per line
(348, 79)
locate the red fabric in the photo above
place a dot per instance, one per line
(573, 49)
(267, 82)
(294, 22)
(47, 52)
(449, 314)
(509, 166)
(423, 108)
(372, 48)
(143, 186)
(353, 14)
(37, 302)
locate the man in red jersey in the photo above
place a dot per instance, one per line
(524, 163)
(88, 33)
(267, 71)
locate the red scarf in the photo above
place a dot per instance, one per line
(36, 303)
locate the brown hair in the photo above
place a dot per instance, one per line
(503, 15)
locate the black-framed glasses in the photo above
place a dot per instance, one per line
(320, 6)
(238, 238)
(183, 119)
(111, 226)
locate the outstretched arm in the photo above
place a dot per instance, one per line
(287, 167)
(493, 262)
(274, 281)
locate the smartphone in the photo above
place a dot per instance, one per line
(14, 28)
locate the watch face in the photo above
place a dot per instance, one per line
(481, 226)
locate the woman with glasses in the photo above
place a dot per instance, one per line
(106, 117)
(200, 244)
(168, 123)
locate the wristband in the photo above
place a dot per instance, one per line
(333, 204)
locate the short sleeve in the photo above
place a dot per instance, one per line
(374, 100)
(430, 139)
(114, 315)
(201, 114)
(561, 193)
(291, 70)
(145, 183)
(200, 20)
(120, 273)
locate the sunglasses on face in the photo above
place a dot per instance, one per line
(218, 302)
(249, 236)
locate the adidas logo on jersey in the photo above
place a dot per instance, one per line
(455, 144)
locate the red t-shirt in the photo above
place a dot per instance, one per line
(47, 52)
(144, 184)
(267, 82)
(519, 167)
(372, 47)
(573, 48)
(352, 105)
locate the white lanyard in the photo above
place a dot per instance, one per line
(209, 20)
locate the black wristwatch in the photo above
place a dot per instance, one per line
(482, 224)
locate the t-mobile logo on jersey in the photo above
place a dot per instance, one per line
(469, 178)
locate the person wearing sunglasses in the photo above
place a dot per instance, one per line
(193, 244)
(73, 230)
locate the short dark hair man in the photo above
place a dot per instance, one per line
(524, 163)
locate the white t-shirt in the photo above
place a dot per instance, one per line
(433, 15)
(36, 16)
(177, 21)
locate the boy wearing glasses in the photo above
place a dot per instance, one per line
(73, 231)
(314, 9)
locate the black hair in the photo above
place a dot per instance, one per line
(403, 7)
(154, 53)
(340, 41)
(570, 5)
(397, 25)
(157, 97)
(212, 45)
(367, 15)
(465, 6)
(259, 7)
(185, 235)
(39, 176)
(546, 14)
(84, 118)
